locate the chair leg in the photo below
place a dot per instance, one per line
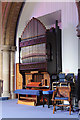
(72, 107)
(53, 109)
(54, 106)
(43, 100)
(70, 110)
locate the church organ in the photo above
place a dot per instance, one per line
(40, 52)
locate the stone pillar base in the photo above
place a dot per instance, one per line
(5, 94)
(12, 95)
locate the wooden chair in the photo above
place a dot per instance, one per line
(63, 81)
(70, 77)
(62, 94)
(61, 77)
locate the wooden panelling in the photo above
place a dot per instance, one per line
(28, 78)
(25, 102)
(33, 66)
(32, 41)
(47, 77)
(18, 78)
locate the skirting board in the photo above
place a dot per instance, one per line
(31, 103)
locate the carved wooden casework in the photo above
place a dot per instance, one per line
(40, 49)
(18, 78)
(78, 26)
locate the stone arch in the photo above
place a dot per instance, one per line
(10, 15)
(10, 21)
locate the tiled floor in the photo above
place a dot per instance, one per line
(10, 109)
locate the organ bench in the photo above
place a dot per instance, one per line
(28, 97)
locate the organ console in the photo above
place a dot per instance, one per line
(40, 53)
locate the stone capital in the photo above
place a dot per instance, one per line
(7, 48)
(4, 47)
(13, 48)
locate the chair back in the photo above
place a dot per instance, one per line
(61, 77)
(63, 91)
(70, 77)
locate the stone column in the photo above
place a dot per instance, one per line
(0, 71)
(0, 63)
(6, 66)
(12, 71)
(0, 40)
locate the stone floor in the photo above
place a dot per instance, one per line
(10, 109)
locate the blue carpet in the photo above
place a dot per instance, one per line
(10, 109)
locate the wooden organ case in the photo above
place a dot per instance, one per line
(39, 53)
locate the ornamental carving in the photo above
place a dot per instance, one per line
(78, 26)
